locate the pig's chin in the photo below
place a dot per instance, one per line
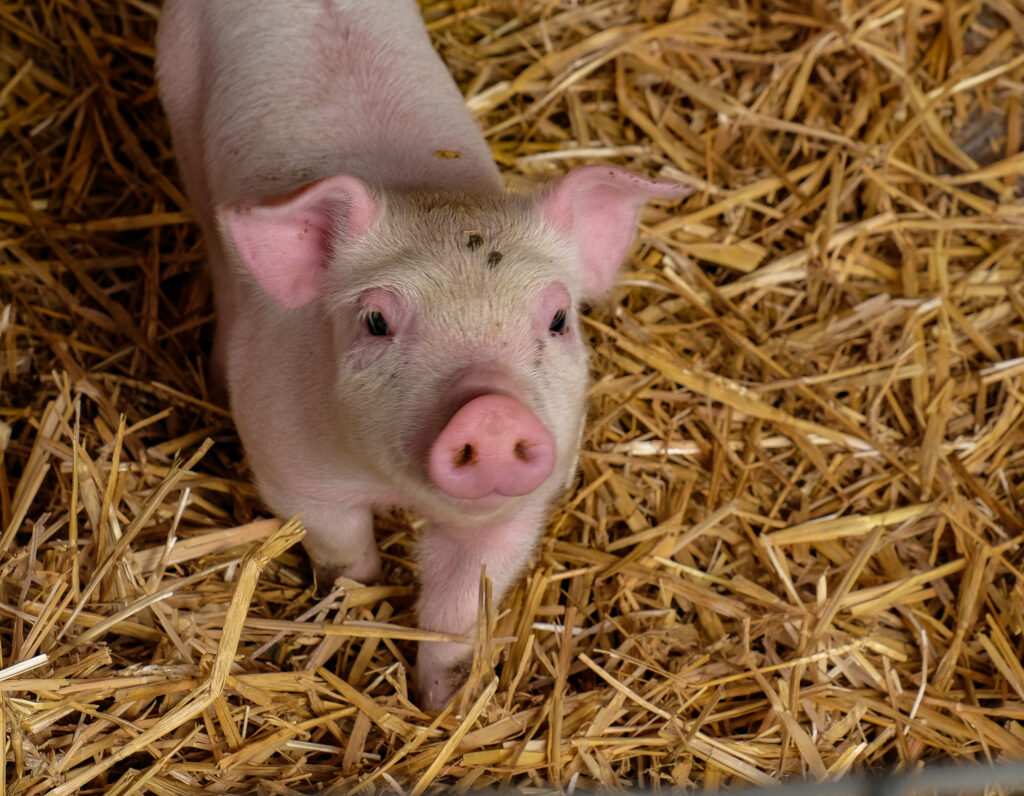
(441, 506)
(489, 504)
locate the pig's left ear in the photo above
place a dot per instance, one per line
(284, 242)
(597, 207)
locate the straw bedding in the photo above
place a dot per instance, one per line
(793, 548)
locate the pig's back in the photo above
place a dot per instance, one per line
(265, 96)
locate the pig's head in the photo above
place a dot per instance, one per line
(459, 365)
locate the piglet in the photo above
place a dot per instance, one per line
(394, 328)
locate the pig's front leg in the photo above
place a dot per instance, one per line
(339, 540)
(451, 561)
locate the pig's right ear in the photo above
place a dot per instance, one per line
(597, 208)
(285, 241)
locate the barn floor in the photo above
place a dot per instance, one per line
(793, 548)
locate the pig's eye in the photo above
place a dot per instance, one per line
(377, 324)
(558, 323)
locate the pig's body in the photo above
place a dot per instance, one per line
(392, 326)
(319, 88)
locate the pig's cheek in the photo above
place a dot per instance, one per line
(366, 353)
(567, 345)
(568, 367)
(571, 341)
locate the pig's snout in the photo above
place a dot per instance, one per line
(493, 445)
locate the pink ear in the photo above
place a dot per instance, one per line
(597, 206)
(285, 241)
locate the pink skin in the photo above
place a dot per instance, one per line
(381, 308)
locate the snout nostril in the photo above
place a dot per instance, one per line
(492, 446)
(465, 456)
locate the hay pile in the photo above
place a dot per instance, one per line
(794, 546)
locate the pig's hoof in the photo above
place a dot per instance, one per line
(437, 684)
(366, 571)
